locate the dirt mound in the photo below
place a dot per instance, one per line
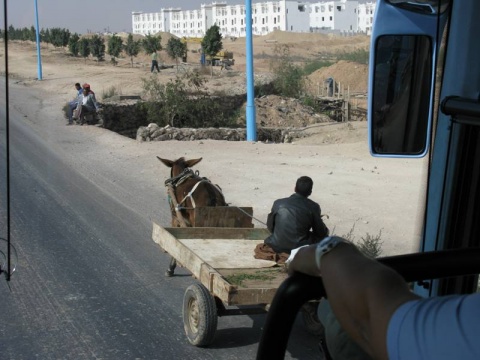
(124, 36)
(329, 43)
(165, 37)
(349, 74)
(282, 112)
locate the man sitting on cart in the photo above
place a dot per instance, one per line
(293, 221)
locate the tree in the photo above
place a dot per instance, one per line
(212, 43)
(32, 34)
(115, 45)
(97, 47)
(132, 47)
(84, 48)
(45, 35)
(59, 37)
(73, 45)
(176, 48)
(151, 43)
(11, 32)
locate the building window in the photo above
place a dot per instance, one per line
(331, 18)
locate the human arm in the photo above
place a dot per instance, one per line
(363, 293)
(319, 229)
(271, 218)
(93, 101)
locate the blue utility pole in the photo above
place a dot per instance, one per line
(250, 110)
(39, 57)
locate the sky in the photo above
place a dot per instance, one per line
(89, 15)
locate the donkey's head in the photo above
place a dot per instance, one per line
(179, 165)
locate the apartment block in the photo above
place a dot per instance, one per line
(343, 16)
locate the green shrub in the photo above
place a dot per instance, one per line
(65, 110)
(183, 102)
(360, 56)
(312, 66)
(369, 245)
(288, 77)
(110, 92)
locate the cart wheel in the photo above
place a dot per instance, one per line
(199, 315)
(310, 319)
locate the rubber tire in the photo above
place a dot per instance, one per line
(199, 315)
(310, 319)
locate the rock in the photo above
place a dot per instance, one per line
(143, 133)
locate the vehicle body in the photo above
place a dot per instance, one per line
(195, 40)
(424, 87)
(440, 115)
(222, 58)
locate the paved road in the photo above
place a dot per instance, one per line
(90, 281)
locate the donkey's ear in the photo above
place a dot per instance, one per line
(192, 162)
(168, 163)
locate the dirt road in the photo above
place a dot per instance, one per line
(356, 191)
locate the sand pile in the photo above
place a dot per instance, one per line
(348, 74)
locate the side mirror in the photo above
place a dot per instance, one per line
(401, 93)
(405, 44)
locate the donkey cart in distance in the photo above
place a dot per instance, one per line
(216, 243)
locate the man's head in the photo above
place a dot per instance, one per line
(77, 86)
(304, 186)
(86, 87)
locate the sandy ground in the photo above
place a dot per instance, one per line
(356, 191)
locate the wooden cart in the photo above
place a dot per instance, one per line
(231, 280)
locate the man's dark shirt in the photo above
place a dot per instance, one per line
(290, 221)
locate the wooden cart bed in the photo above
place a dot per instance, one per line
(222, 260)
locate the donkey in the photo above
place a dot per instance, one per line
(188, 191)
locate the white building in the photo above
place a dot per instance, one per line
(351, 16)
(366, 10)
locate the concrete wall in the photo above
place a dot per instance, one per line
(346, 17)
(297, 14)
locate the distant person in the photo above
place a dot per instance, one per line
(293, 222)
(89, 89)
(87, 105)
(72, 105)
(154, 62)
